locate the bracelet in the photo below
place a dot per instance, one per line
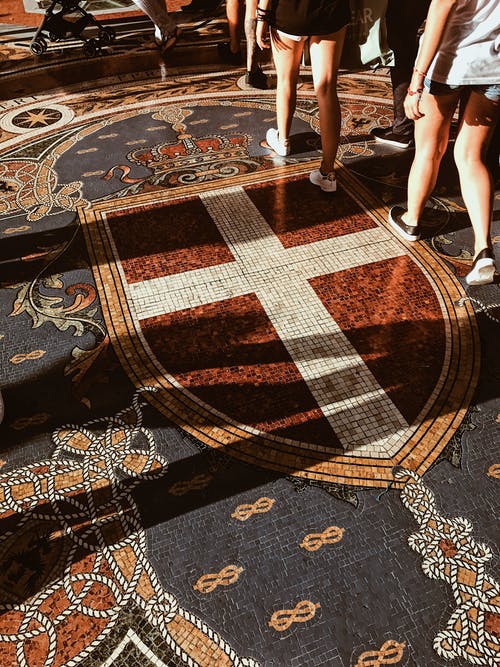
(419, 72)
(419, 91)
(264, 15)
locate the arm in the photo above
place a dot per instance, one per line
(262, 29)
(435, 23)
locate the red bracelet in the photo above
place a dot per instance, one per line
(415, 92)
(419, 72)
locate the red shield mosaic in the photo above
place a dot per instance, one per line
(250, 306)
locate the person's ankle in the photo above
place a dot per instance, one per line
(411, 222)
(324, 170)
(479, 247)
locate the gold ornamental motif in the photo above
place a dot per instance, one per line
(304, 611)
(260, 506)
(494, 471)
(29, 356)
(389, 653)
(196, 483)
(315, 541)
(209, 582)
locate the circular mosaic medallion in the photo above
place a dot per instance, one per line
(36, 117)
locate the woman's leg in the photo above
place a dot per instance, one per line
(250, 23)
(164, 22)
(286, 54)
(432, 130)
(234, 13)
(325, 59)
(476, 129)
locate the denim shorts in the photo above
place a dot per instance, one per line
(490, 90)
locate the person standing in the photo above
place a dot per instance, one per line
(403, 20)
(458, 58)
(289, 23)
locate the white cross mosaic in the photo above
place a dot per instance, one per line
(358, 409)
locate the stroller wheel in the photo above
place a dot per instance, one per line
(106, 35)
(91, 48)
(38, 46)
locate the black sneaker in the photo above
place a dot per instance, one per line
(227, 56)
(385, 135)
(408, 232)
(256, 78)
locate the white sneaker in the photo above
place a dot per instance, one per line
(327, 183)
(273, 141)
(483, 268)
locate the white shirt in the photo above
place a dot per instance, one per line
(469, 52)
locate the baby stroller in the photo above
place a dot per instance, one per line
(65, 18)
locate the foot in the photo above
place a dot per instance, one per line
(483, 268)
(256, 78)
(227, 56)
(327, 182)
(273, 141)
(386, 135)
(408, 232)
(168, 40)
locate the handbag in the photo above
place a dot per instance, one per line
(365, 44)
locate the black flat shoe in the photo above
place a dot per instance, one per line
(227, 56)
(408, 232)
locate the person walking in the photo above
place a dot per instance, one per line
(166, 30)
(287, 24)
(458, 58)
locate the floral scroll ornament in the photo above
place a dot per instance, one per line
(46, 300)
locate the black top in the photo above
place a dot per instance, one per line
(311, 17)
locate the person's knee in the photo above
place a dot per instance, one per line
(466, 156)
(325, 87)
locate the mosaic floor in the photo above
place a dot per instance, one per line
(245, 423)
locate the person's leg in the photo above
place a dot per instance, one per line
(230, 52)
(286, 54)
(474, 134)
(234, 9)
(254, 77)
(431, 140)
(164, 22)
(250, 24)
(325, 53)
(403, 21)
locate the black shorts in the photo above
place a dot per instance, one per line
(311, 17)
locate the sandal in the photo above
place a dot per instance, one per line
(170, 41)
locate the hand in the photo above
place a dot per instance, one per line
(262, 34)
(412, 106)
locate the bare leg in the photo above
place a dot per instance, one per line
(325, 58)
(431, 140)
(287, 54)
(234, 9)
(250, 23)
(474, 134)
